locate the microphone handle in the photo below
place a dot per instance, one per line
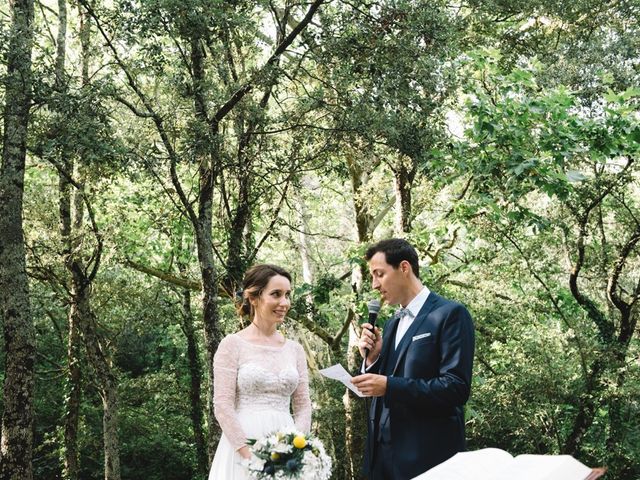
(373, 317)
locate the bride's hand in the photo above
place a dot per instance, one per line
(245, 452)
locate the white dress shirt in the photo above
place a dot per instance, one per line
(405, 322)
(414, 307)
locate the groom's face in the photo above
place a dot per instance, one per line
(389, 281)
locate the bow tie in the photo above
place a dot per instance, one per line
(404, 312)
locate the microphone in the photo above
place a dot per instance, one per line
(373, 307)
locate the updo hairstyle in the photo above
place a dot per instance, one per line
(255, 281)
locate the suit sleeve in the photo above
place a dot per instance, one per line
(451, 386)
(375, 366)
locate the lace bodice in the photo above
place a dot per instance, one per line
(259, 377)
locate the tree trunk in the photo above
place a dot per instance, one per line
(303, 244)
(404, 173)
(73, 397)
(208, 153)
(303, 249)
(210, 318)
(356, 413)
(616, 401)
(358, 180)
(195, 387)
(74, 374)
(341, 433)
(16, 443)
(236, 263)
(109, 393)
(97, 353)
(587, 406)
(236, 258)
(107, 385)
(592, 396)
(355, 408)
(617, 419)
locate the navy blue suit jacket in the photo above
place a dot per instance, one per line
(428, 383)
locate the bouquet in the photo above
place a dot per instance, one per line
(288, 454)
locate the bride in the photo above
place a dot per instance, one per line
(258, 374)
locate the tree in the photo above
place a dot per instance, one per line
(544, 166)
(16, 444)
(389, 66)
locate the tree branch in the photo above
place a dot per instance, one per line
(267, 232)
(605, 327)
(157, 120)
(247, 87)
(324, 335)
(351, 314)
(554, 301)
(167, 277)
(96, 255)
(612, 284)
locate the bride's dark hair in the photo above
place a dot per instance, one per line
(255, 281)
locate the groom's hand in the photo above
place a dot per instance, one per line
(370, 340)
(371, 384)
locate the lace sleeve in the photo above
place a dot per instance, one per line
(225, 373)
(300, 397)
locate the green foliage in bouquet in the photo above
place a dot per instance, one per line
(288, 455)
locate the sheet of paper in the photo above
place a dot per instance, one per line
(337, 372)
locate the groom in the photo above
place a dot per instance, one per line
(418, 370)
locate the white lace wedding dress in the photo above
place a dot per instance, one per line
(254, 389)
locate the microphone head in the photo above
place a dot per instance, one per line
(373, 306)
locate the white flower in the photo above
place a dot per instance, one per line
(314, 463)
(282, 448)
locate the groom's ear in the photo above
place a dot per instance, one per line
(405, 267)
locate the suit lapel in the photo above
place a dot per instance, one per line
(387, 351)
(415, 325)
(389, 341)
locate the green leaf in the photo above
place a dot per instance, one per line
(630, 92)
(575, 176)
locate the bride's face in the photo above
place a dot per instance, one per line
(275, 300)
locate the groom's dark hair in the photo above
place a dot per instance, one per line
(395, 250)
